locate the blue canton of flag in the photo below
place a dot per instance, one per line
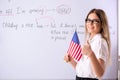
(75, 48)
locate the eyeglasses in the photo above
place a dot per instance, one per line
(93, 21)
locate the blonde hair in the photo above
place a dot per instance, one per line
(104, 27)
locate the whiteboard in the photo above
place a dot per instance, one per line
(35, 36)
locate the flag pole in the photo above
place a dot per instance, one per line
(76, 29)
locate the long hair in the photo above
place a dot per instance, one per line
(104, 27)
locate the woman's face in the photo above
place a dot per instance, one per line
(93, 24)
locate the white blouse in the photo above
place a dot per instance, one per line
(100, 48)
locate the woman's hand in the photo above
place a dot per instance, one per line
(67, 58)
(86, 49)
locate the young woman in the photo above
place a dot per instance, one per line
(96, 50)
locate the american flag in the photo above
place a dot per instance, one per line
(75, 48)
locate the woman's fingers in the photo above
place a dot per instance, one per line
(66, 58)
(86, 48)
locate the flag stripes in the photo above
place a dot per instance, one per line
(75, 50)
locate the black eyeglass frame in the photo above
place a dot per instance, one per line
(93, 21)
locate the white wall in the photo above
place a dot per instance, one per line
(35, 36)
(119, 38)
(119, 24)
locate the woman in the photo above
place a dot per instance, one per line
(96, 50)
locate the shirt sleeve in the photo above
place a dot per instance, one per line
(103, 50)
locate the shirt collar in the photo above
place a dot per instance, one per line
(97, 36)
